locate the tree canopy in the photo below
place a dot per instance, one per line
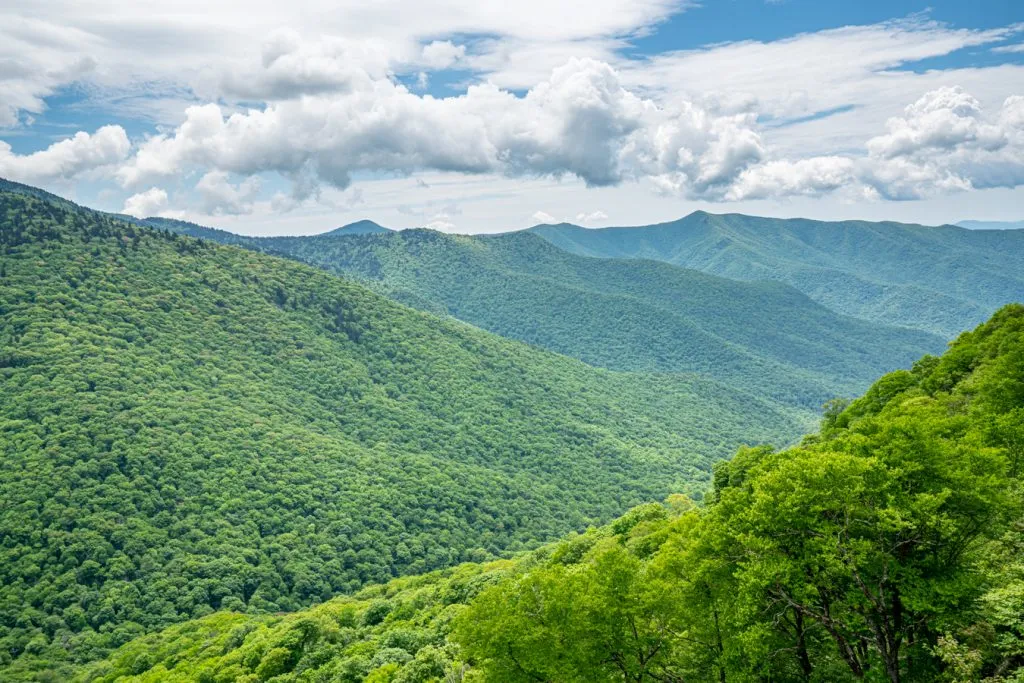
(187, 427)
(887, 546)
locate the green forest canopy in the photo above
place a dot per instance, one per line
(888, 546)
(187, 427)
(765, 338)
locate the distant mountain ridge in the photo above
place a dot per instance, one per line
(992, 225)
(938, 279)
(622, 314)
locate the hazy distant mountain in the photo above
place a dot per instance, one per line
(992, 225)
(940, 279)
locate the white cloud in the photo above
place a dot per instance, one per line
(152, 202)
(441, 222)
(782, 178)
(856, 72)
(818, 114)
(1009, 49)
(943, 142)
(220, 197)
(442, 54)
(580, 121)
(591, 217)
(544, 217)
(155, 48)
(292, 66)
(67, 159)
(942, 119)
(36, 57)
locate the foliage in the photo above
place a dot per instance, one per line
(187, 427)
(335, 641)
(762, 337)
(886, 547)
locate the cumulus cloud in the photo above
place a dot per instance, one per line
(441, 222)
(941, 120)
(441, 54)
(943, 142)
(827, 90)
(292, 67)
(67, 159)
(152, 202)
(202, 47)
(581, 121)
(544, 217)
(220, 197)
(813, 176)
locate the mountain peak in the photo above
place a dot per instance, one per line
(363, 227)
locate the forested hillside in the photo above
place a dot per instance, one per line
(187, 427)
(886, 547)
(763, 337)
(937, 279)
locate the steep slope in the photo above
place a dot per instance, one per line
(937, 279)
(677, 592)
(764, 337)
(187, 427)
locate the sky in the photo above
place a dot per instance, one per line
(264, 117)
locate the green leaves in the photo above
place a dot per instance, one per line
(845, 557)
(186, 428)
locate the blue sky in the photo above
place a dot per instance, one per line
(272, 119)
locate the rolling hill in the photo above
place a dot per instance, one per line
(638, 315)
(936, 279)
(187, 427)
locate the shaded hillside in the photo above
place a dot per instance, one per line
(186, 427)
(938, 279)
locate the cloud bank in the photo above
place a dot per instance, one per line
(325, 106)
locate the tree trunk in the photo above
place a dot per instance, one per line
(801, 646)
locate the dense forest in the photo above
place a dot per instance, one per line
(937, 279)
(217, 464)
(187, 427)
(888, 546)
(764, 337)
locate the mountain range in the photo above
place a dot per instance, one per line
(187, 426)
(250, 425)
(764, 337)
(937, 279)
